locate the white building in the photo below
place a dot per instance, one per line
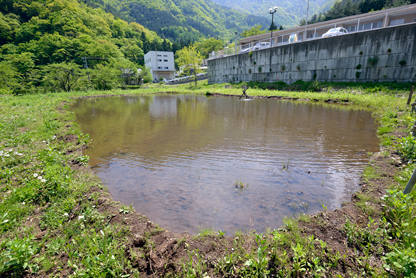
(161, 64)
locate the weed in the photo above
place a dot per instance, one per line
(83, 159)
(286, 166)
(357, 74)
(358, 66)
(401, 262)
(256, 265)
(398, 211)
(124, 210)
(282, 67)
(227, 265)
(205, 233)
(194, 267)
(402, 62)
(407, 148)
(372, 61)
(240, 185)
(17, 255)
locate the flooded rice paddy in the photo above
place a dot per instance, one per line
(191, 162)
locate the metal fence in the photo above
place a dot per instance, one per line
(353, 26)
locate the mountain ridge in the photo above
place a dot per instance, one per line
(180, 20)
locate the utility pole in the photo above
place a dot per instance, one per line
(85, 59)
(306, 21)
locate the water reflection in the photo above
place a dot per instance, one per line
(178, 159)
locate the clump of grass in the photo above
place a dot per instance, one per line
(240, 185)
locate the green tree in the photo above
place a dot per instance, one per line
(205, 47)
(9, 78)
(8, 27)
(28, 73)
(63, 76)
(189, 60)
(273, 27)
(105, 77)
(144, 74)
(256, 30)
(396, 3)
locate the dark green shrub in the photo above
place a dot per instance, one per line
(372, 61)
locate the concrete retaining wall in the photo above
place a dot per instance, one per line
(335, 59)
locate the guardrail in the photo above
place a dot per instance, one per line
(186, 79)
(295, 37)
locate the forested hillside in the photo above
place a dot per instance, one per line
(43, 37)
(289, 12)
(180, 20)
(345, 8)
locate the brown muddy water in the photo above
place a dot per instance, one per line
(191, 162)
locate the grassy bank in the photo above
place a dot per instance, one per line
(57, 219)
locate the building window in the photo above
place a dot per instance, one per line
(365, 26)
(159, 60)
(158, 55)
(351, 29)
(378, 24)
(165, 55)
(395, 22)
(165, 60)
(159, 68)
(166, 68)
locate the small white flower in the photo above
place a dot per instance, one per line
(6, 154)
(35, 175)
(23, 203)
(40, 177)
(53, 137)
(1, 153)
(19, 154)
(66, 214)
(43, 180)
(81, 217)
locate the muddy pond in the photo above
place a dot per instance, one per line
(191, 162)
